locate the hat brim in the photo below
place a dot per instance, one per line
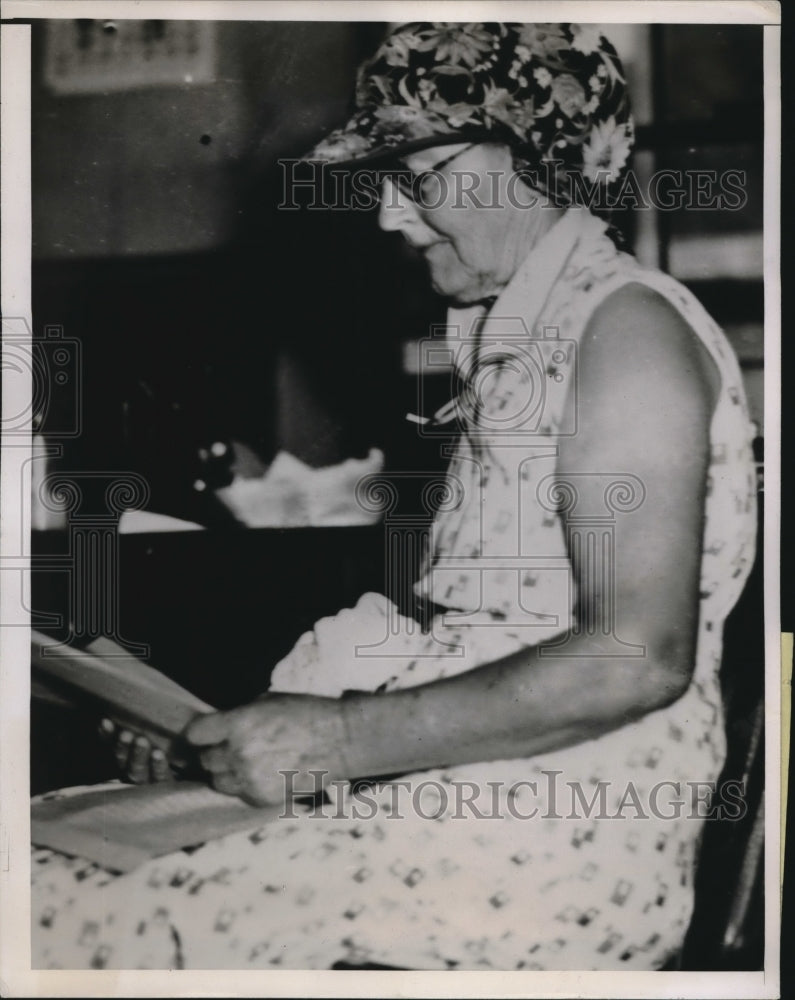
(382, 155)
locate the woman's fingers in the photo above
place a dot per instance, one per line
(135, 756)
(215, 759)
(160, 770)
(208, 729)
(138, 760)
(107, 729)
(228, 783)
(122, 748)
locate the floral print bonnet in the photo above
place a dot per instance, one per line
(554, 92)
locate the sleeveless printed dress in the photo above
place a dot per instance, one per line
(578, 859)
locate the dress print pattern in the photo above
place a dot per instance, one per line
(440, 887)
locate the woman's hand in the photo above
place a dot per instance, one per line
(137, 759)
(266, 751)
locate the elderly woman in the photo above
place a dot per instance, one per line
(540, 732)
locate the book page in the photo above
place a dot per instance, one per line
(124, 689)
(120, 826)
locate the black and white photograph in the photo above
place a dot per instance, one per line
(390, 449)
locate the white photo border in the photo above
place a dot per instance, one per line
(16, 977)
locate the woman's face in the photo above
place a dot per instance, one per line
(461, 225)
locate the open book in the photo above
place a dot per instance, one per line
(119, 687)
(119, 826)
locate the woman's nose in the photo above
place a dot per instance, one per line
(396, 209)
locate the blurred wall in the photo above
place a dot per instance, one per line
(164, 169)
(203, 310)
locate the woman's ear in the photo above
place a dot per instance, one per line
(533, 179)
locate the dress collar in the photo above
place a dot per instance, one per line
(520, 301)
(527, 291)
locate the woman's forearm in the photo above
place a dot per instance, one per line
(523, 705)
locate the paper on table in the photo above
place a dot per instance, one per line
(293, 494)
(135, 522)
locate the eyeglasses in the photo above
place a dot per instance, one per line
(414, 183)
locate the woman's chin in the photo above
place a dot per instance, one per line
(452, 287)
(458, 296)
